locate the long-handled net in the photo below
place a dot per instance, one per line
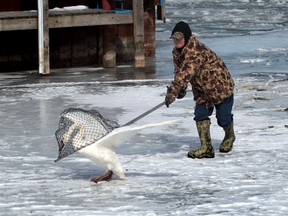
(79, 128)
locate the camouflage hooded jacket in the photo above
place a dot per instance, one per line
(210, 79)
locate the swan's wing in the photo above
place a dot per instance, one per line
(124, 133)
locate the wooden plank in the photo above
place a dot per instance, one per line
(10, 21)
(18, 21)
(138, 12)
(90, 20)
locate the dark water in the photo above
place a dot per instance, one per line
(250, 36)
(226, 17)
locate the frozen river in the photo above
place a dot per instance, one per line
(161, 180)
(250, 36)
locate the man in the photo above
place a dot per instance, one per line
(212, 86)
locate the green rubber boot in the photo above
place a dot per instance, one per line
(227, 143)
(206, 150)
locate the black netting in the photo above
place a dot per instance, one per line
(79, 128)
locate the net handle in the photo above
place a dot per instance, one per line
(145, 114)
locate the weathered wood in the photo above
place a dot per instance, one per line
(10, 21)
(108, 4)
(46, 38)
(132, 27)
(18, 21)
(43, 38)
(138, 12)
(109, 49)
(161, 10)
(77, 20)
(149, 33)
(124, 42)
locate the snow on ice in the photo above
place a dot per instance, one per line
(250, 36)
(161, 180)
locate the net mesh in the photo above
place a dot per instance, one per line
(79, 128)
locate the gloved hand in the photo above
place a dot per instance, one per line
(169, 99)
(182, 93)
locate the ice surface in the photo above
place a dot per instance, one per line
(161, 180)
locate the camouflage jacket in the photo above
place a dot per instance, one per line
(210, 79)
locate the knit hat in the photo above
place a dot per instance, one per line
(181, 27)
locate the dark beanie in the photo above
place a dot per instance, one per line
(183, 28)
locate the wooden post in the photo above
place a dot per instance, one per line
(138, 16)
(109, 48)
(107, 5)
(43, 37)
(149, 29)
(161, 11)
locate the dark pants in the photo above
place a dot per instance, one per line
(223, 112)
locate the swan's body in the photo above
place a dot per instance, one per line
(101, 152)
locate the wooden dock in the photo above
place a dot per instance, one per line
(44, 20)
(26, 20)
